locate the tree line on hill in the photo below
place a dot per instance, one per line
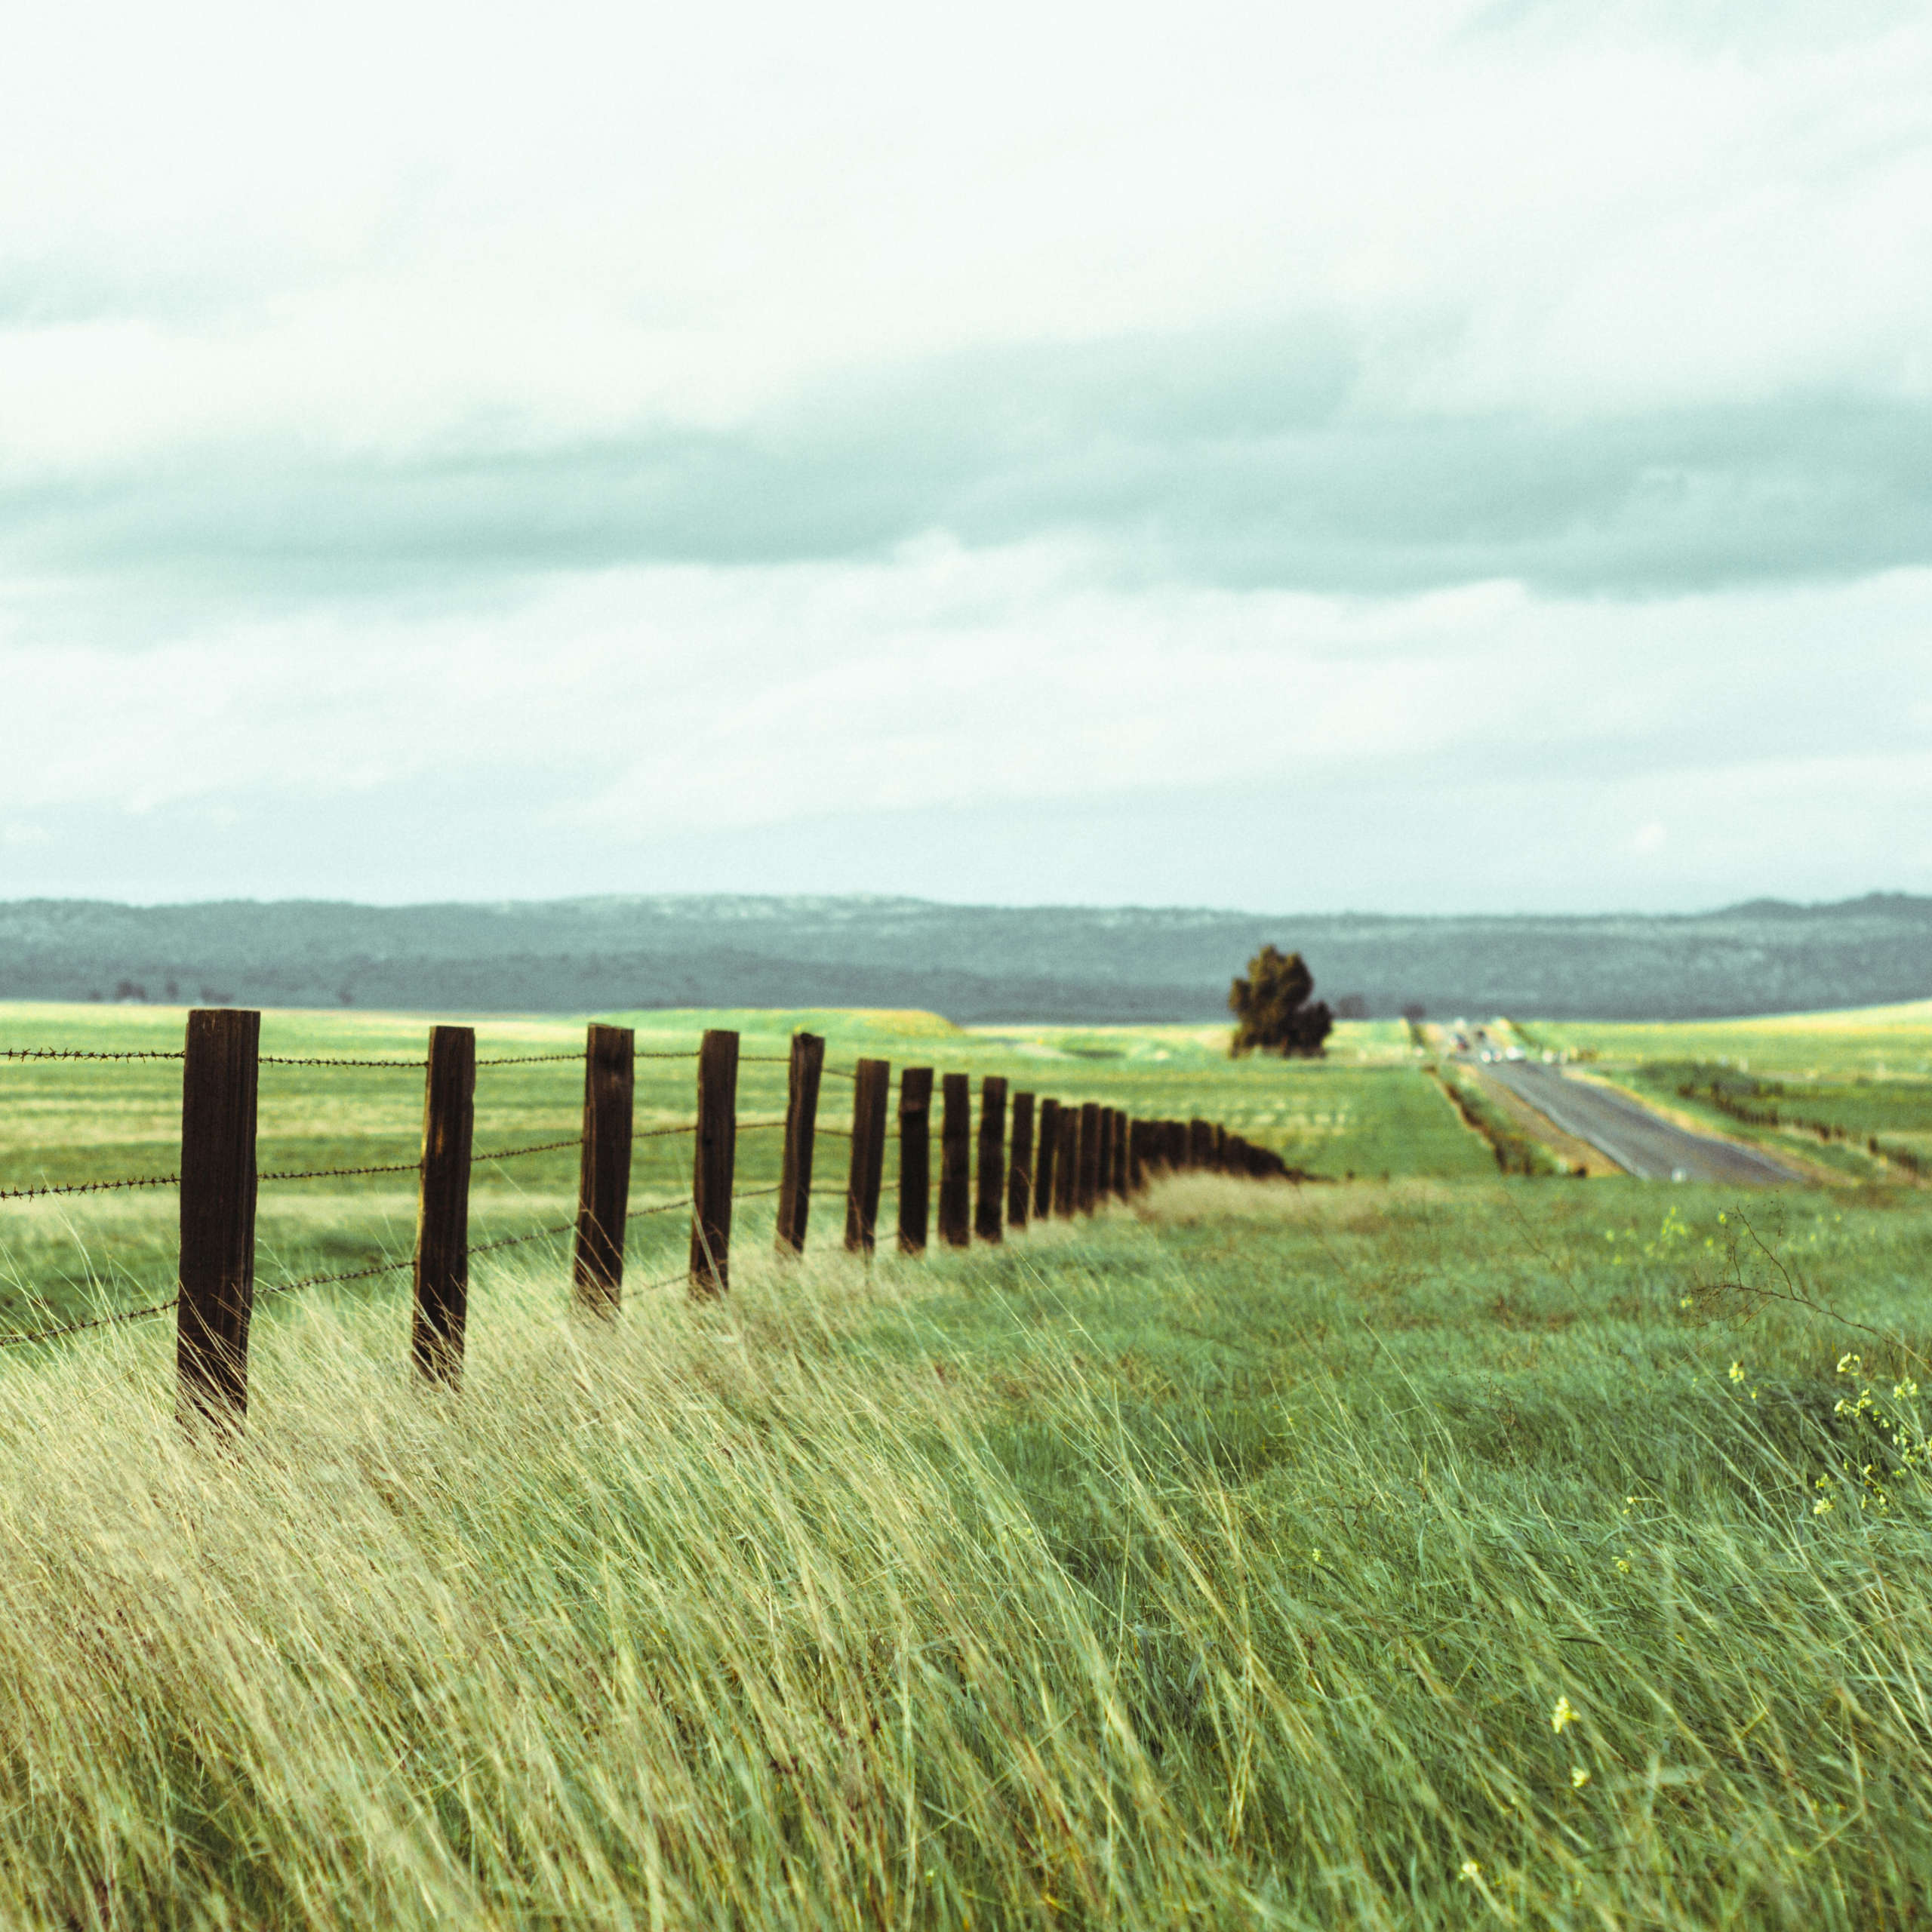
(973, 964)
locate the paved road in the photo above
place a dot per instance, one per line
(1640, 1141)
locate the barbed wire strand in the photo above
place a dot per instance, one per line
(334, 1173)
(305, 1060)
(665, 1207)
(515, 1241)
(87, 1187)
(94, 1321)
(541, 1147)
(79, 1053)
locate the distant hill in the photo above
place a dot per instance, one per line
(973, 963)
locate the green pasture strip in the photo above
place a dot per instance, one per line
(1429, 1555)
(1883, 1042)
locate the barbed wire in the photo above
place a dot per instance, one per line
(541, 1147)
(658, 1133)
(527, 1059)
(334, 1173)
(516, 1241)
(665, 1207)
(310, 1060)
(87, 1187)
(347, 1275)
(691, 1053)
(93, 1322)
(80, 1053)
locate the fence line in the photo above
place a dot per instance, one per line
(1085, 1154)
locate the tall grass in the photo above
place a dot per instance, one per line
(1233, 1562)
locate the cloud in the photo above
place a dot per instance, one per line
(1242, 462)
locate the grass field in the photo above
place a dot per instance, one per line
(1449, 1551)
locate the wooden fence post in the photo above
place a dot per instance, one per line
(1200, 1143)
(1020, 1164)
(219, 1071)
(916, 1157)
(989, 1200)
(1045, 1159)
(1087, 1181)
(714, 1162)
(604, 1168)
(1123, 1131)
(870, 1092)
(442, 1305)
(1103, 1165)
(794, 1178)
(955, 1160)
(1221, 1148)
(1066, 1164)
(1136, 1155)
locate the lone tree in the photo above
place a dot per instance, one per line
(1271, 1009)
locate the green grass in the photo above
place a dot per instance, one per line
(1228, 1560)
(1225, 1563)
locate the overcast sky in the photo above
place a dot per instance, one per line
(1426, 455)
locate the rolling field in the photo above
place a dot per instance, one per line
(1451, 1550)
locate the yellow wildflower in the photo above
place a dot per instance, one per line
(1563, 1715)
(1579, 1777)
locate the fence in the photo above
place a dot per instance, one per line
(1036, 1157)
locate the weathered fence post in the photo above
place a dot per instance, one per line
(989, 1199)
(1221, 1148)
(795, 1176)
(1103, 1165)
(870, 1092)
(1200, 1143)
(1066, 1164)
(219, 1071)
(714, 1162)
(1087, 1182)
(1020, 1164)
(1123, 1131)
(441, 1304)
(1046, 1159)
(604, 1168)
(955, 1160)
(1136, 1156)
(916, 1157)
